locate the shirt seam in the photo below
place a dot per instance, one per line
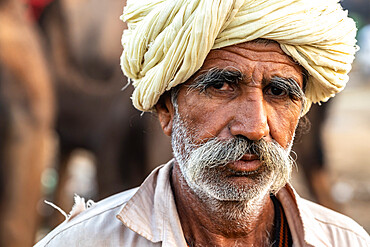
(77, 223)
(164, 216)
(129, 224)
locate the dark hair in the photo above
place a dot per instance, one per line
(303, 127)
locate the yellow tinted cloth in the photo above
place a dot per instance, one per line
(167, 41)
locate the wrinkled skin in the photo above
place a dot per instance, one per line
(252, 108)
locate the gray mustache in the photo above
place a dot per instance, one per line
(220, 152)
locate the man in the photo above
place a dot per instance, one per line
(229, 81)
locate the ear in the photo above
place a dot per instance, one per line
(165, 113)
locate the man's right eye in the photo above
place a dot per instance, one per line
(217, 85)
(217, 81)
(221, 86)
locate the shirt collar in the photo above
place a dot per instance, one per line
(302, 223)
(152, 213)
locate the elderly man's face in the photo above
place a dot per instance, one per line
(251, 91)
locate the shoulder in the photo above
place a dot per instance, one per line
(92, 226)
(338, 228)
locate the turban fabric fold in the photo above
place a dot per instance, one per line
(167, 41)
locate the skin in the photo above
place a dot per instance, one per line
(250, 109)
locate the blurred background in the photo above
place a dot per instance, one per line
(67, 127)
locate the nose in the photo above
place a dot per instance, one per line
(250, 120)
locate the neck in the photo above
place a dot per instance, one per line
(209, 222)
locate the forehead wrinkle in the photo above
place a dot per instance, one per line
(269, 54)
(217, 59)
(269, 46)
(287, 61)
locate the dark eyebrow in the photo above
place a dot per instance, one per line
(215, 76)
(290, 85)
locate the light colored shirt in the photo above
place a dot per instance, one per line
(147, 216)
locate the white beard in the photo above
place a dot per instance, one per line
(203, 166)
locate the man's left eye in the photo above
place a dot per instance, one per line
(276, 91)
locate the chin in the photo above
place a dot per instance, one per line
(244, 189)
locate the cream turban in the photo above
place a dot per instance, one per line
(167, 41)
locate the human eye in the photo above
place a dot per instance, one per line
(284, 88)
(275, 90)
(221, 86)
(217, 81)
(216, 88)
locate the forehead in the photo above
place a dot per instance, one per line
(256, 60)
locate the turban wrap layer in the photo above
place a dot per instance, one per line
(167, 41)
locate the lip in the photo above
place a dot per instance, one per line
(247, 164)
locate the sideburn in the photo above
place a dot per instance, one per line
(303, 127)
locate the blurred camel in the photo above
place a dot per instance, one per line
(26, 108)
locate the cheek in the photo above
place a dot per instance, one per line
(204, 117)
(283, 122)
